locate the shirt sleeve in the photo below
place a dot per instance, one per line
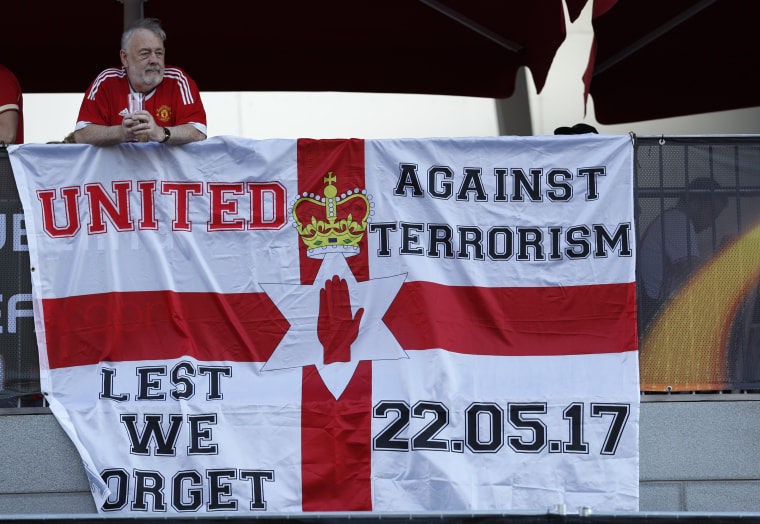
(190, 110)
(12, 99)
(96, 106)
(10, 92)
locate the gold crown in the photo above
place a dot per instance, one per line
(331, 223)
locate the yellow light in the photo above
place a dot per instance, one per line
(686, 347)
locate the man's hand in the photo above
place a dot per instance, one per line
(337, 328)
(141, 126)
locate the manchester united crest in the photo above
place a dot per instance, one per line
(164, 114)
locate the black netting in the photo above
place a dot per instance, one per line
(698, 224)
(19, 361)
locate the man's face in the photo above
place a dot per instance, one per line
(144, 60)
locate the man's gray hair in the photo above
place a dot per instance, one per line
(151, 24)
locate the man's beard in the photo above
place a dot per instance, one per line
(152, 77)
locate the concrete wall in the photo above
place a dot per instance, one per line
(695, 456)
(40, 470)
(700, 456)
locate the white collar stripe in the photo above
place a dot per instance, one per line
(108, 73)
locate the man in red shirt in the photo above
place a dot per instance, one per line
(11, 109)
(173, 112)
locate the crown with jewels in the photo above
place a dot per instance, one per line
(331, 223)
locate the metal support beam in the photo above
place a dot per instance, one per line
(506, 43)
(513, 113)
(133, 11)
(652, 36)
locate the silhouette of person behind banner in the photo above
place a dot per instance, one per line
(669, 252)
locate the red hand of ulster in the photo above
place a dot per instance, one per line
(337, 328)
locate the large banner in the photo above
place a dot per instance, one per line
(340, 325)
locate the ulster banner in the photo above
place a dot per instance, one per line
(340, 325)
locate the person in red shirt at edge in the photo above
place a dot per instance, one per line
(11, 109)
(173, 112)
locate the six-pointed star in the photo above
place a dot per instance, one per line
(300, 305)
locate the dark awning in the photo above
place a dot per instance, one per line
(659, 59)
(453, 47)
